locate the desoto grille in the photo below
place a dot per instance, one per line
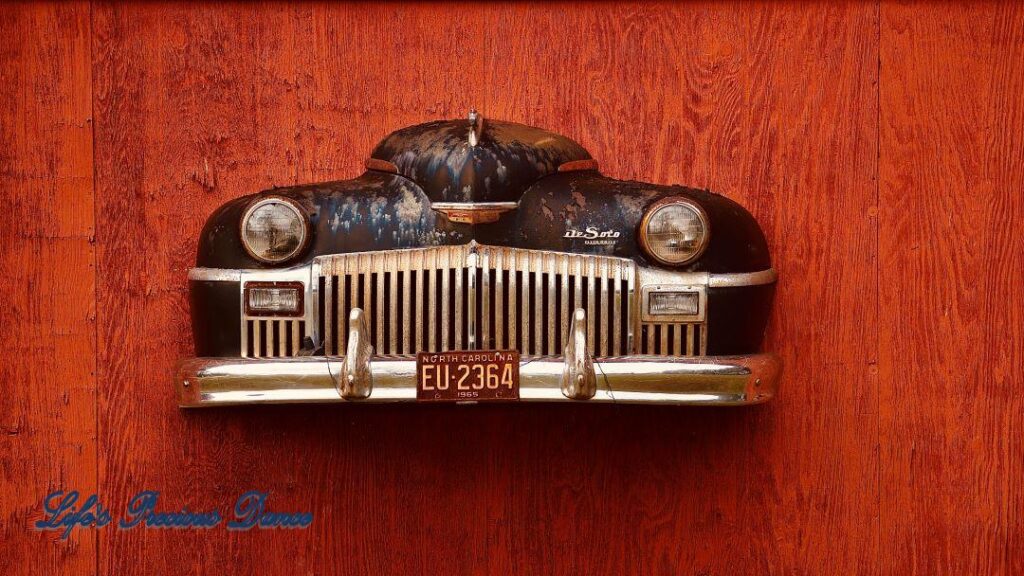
(270, 338)
(675, 339)
(475, 297)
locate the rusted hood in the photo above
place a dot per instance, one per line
(476, 160)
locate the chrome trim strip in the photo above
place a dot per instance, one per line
(712, 280)
(742, 279)
(215, 274)
(474, 205)
(724, 380)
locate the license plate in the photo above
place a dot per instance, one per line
(467, 376)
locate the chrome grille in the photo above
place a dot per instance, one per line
(475, 297)
(676, 339)
(272, 338)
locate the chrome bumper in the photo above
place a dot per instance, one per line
(721, 380)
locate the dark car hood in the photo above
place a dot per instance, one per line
(505, 161)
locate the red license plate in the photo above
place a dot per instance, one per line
(467, 376)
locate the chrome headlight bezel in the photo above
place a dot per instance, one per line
(300, 215)
(667, 203)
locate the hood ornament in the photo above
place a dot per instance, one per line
(474, 212)
(476, 126)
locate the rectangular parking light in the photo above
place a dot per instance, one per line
(673, 303)
(283, 299)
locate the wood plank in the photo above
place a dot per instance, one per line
(47, 296)
(952, 305)
(197, 104)
(741, 98)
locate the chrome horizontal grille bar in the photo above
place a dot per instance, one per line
(476, 297)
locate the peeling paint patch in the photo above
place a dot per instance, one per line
(633, 205)
(546, 210)
(409, 209)
(579, 199)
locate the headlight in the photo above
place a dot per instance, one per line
(274, 230)
(674, 231)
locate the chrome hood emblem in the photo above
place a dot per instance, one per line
(473, 212)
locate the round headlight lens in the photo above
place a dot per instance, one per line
(674, 231)
(274, 230)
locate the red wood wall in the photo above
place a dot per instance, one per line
(880, 146)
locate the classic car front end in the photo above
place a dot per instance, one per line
(480, 261)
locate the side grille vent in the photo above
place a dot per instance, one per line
(269, 338)
(673, 339)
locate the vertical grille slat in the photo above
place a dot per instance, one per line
(591, 296)
(602, 277)
(472, 284)
(458, 309)
(391, 265)
(617, 311)
(499, 292)
(578, 283)
(344, 287)
(537, 265)
(485, 294)
(378, 271)
(366, 283)
(524, 297)
(445, 291)
(329, 307)
(552, 319)
(256, 339)
(513, 306)
(418, 293)
(282, 338)
(430, 281)
(404, 266)
(564, 311)
(458, 297)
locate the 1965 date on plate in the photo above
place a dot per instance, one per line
(468, 376)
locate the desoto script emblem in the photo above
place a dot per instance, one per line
(592, 235)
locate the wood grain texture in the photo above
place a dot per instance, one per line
(47, 291)
(952, 309)
(882, 158)
(745, 102)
